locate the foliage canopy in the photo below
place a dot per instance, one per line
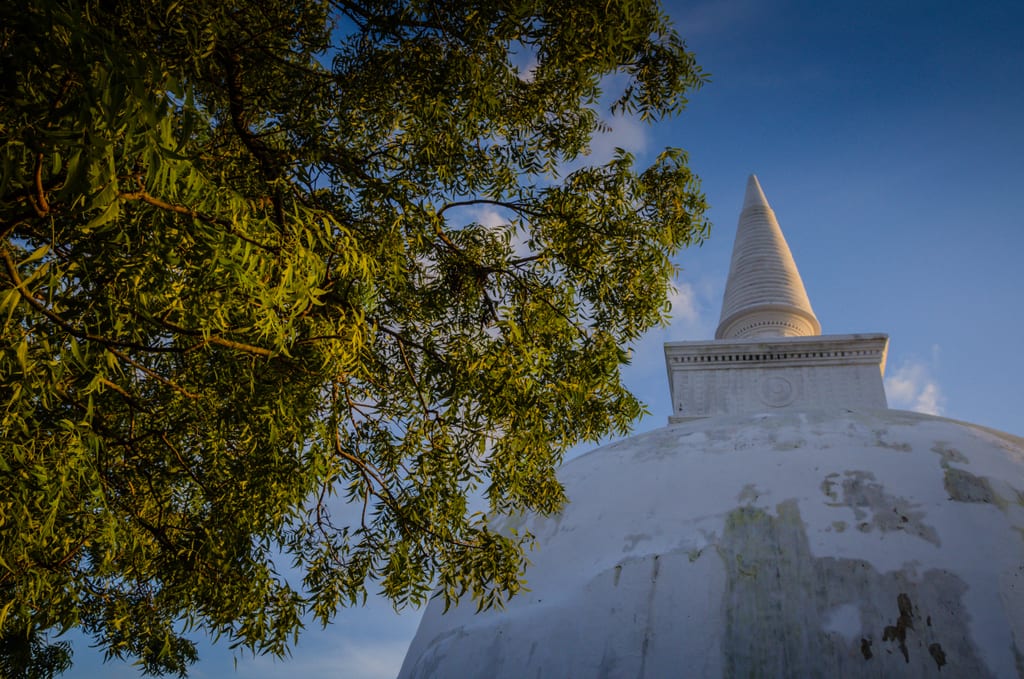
(266, 261)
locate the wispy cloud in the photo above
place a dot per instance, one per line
(528, 69)
(524, 60)
(362, 643)
(489, 217)
(685, 307)
(715, 17)
(913, 387)
(624, 132)
(494, 218)
(363, 659)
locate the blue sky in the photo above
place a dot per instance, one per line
(887, 136)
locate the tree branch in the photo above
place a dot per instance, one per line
(19, 285)
(218, 340)
(152, 373)
(269, 164)
(145, 197)
(515, 207)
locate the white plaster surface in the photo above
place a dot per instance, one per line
(784, 543)
(764, 294)
(844, 620)
(729, 377)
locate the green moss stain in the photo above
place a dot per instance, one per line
(964, 486)
(779, 598)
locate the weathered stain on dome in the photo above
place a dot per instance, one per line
(781, 604)
(632, 540)
(873, 508)
(948, 454)
(964, 486)
(881, 442)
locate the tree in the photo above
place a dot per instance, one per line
(245, 280)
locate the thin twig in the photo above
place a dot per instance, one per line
(132, 401)
(185, 466)
(152, 373)
(41, 205)
(412, 376)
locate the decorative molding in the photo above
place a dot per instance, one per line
(777, 391)
(726, 377)
(769, 321)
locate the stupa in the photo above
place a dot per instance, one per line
(785, 523)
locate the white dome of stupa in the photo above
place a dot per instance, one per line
(785, 524)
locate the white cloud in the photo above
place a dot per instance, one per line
(912, 387)
(524, 60)
(694, 310)
(489, 217)
(929, 400)
(716, 17)
(492, 218)
(685, 308)
(626, 132)
(527, 70)
(362, 643)
(364, 659)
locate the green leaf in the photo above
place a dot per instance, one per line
(283, 259)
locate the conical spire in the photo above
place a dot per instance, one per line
(764, 295)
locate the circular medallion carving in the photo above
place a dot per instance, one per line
(777, 391)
